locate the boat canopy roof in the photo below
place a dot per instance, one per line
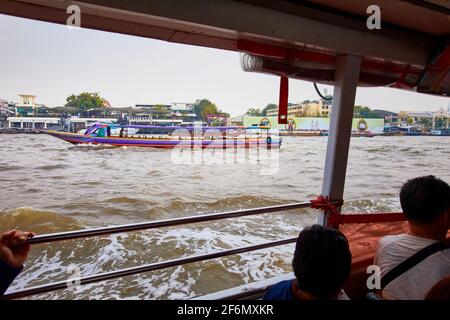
(299, 39)
(134, 126)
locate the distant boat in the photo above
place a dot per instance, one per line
(301, 133)
(365, 134)
(172, 136)
(440, 132)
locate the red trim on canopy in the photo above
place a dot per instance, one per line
(283, 103)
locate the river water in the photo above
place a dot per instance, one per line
(48, 185)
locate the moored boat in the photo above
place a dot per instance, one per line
(440, 132)
(301, 133)
(365, 134)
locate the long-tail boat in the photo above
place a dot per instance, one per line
(174, 136)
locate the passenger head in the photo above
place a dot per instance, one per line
(322, 262)
(426, 200)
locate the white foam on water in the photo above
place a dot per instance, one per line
(113, 252)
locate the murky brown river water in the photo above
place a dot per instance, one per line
(48, 185)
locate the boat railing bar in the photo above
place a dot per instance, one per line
(250, 291)
(143, 268)
(70, 235)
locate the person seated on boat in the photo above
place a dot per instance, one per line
(13, 253)
(322, 264)
(101, 132)
(440, 291)
(426, 204)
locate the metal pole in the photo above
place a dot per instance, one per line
(144, 268)
(346, 81)
(162, 223)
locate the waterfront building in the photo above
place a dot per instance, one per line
(29, 115)
(183, 111)
(441, 119)
(317, 124)
(27, 107)
(5, 112)
(146, 120)
(151, 107)
(421, 121)
(321, 108)
(34, 122)
(182, 106)
(236, 121)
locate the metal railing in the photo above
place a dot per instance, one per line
(70, 235)
(250, 291)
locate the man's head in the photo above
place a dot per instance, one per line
(425, 199)
(322, 261)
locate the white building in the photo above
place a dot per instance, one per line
(27, 106)
(25, 115)
(33, 122)
(5, 112)
(181, 106)
(441, 118)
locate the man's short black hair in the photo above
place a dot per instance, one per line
(322, 261)
(423, 199)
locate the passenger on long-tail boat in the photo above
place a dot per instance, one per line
(13, 253)
(440, 291)
(322, 264)
(412, 263)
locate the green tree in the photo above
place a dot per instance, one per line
(439, 123)
(204, 107)
(364, 112)
(85, 101)
(426, 122)
(254, 112)
(160, 111)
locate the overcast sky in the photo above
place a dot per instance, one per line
(52, 61)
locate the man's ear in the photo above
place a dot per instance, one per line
(295, 288)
